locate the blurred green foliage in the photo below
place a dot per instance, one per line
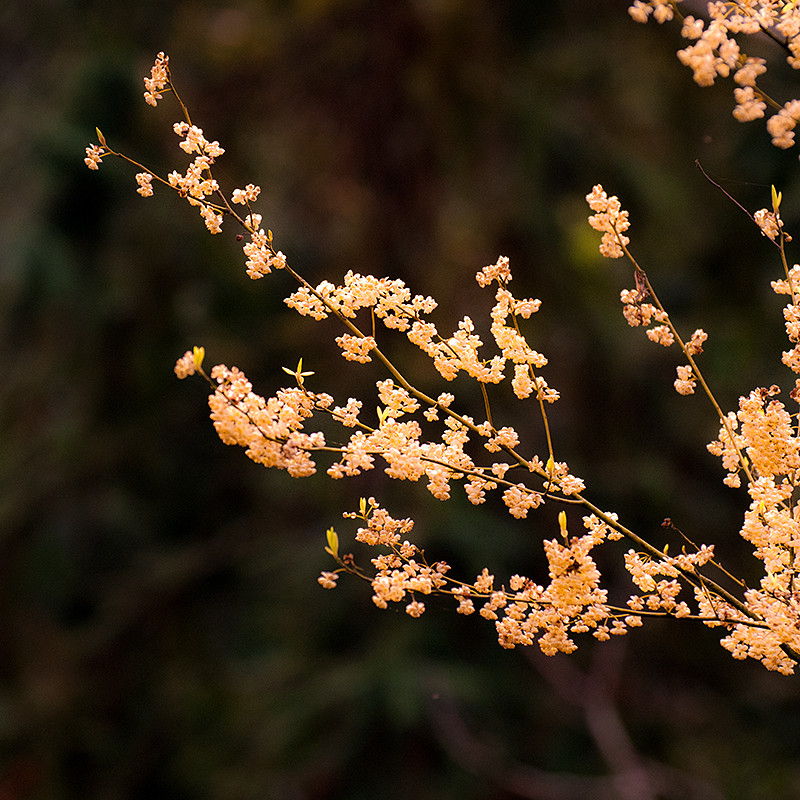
(161, 630)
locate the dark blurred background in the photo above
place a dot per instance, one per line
(162, 634)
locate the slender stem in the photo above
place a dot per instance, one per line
(743, 462)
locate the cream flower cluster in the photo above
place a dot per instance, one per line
(197, 184)
(523, 612)
(791, 315)
(398, 442)
(715, 51)
(660, 579)
(158, 80)
(262, 258)
(766, 433)
(768, 222)
(398, 574)
(94, 156)
(271, 430)
(780, 613)
(610, 220)
(391, 301)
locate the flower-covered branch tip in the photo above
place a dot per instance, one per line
(715, 51)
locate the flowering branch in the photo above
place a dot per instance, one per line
(716, 52)
(758, 442)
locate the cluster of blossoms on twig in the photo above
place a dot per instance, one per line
(524, 612)
(715, 51)
(272, 431)
(197, 184)
(282, 432)
(760, 442)
(612, 221)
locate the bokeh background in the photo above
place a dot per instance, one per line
(162, 634)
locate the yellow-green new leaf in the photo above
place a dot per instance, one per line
(776, 199)
(333, 543)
